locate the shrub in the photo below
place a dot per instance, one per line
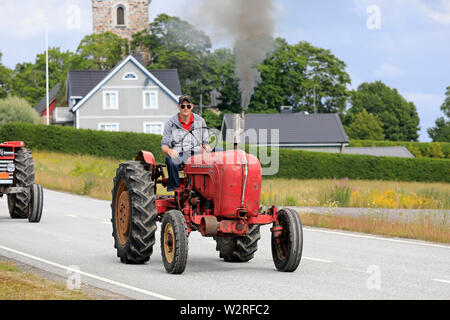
(293, 163)
(15, 109)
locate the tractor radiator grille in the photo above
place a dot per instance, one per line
(6, 152)
(5, 176)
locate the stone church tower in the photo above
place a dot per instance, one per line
(122, 17)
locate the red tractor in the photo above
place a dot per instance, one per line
(25, 198)
(219, 196)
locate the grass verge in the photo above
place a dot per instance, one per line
(18, 285)
(423, 230)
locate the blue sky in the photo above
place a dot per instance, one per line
(404, 43)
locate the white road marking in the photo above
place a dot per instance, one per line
(119, 284)
(106, 222)
(317, 259)
(71, 216)
(378, 238)
(440, 280)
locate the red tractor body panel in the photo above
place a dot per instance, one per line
(231, 179)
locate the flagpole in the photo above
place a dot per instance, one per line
(46, 74)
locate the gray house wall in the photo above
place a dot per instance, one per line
(130, 114)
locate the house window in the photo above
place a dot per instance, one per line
(113, 127)
(110, 100)
(150, 99)
(154, 127)
(120, 16)
(130, 76)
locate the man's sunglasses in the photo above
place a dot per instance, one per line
(189, 106)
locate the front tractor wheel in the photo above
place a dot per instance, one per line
(174, 242)
(133, 213)
(287, 247)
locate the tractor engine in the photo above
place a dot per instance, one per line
(230, 180)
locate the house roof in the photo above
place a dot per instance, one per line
(85, 83)
(42, 105)
(297, 128)
(81, 82)
(398, 151)
(170, 79)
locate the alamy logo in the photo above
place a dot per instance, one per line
(374, 19)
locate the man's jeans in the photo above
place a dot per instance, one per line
(173, 169)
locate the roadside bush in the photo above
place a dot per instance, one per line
(116, 145)
(293, 163)
(16, 109)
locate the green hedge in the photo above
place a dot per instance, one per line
(116, 145)
(418, 149)
(317, 165)
(293, 163)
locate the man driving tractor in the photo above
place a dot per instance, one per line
(185, 134)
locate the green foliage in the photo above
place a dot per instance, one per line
(317, 165)
(418, 149)
(441, 131)
(293, 163)
(15, 109)
(117, 145)
(212, 119)
(366, 126)
(29, 81)
(5, 75)
(297, 75)
(399, 117)
(101, 51)
(173, 43)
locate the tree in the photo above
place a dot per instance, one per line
(29, 80)
(15, 109)
(441, 131)
(101, 51)
(301, 76)
(398, 116)
(173, 43)
(366, 126)
(5, 75)
(220, 68)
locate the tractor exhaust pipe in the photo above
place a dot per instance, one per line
(238, 127)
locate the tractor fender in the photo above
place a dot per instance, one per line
(146, 157)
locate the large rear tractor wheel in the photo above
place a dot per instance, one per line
(18, 204)
(287, 249)
(174, 242)
(239, 249)
(133, 213)
(36, 204)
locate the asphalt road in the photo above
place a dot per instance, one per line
(76, 232)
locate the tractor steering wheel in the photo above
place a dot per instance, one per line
(212, 139)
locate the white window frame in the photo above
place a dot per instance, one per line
(108, 124)
(156, 123)
(132, 73)
(116, 107)
(143, 100)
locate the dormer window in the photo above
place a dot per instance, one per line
(120, 16)
(130, 76)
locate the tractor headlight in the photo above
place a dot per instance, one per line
(10, 167)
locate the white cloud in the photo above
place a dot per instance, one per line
(389, 70)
